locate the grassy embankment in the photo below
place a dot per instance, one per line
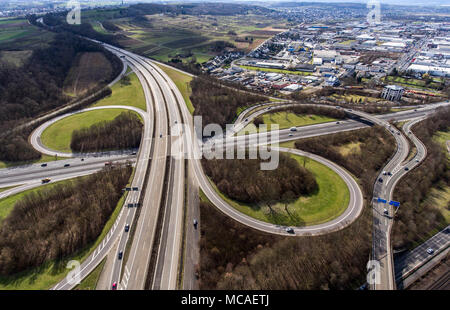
(440, 196)
(90, 282)
(58, 135)
(125, 94)
(182, 82)
(326, 204)
(289, 119)
(50, 273)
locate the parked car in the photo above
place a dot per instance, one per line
(380, 180)
(44, 165)
(67, 165)
(195, 223)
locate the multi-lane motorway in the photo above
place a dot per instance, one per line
(151, 248)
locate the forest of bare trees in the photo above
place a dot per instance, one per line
(218, 104)
(123, 132)
(375, 149)
(58, 221)
(417, 218)
(36, 88)
(234, 256)
(243, 180)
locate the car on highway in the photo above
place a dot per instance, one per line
(67, 165)
(289, 230)
(44, 165)
(114, 286)
(384, 172)
(406, 168)
(127, 227)
(160, 135)
(290, 134)
(246, 119)
(120, 255)
(82, 159)
(45, 181)
(430, 251)
(195, 223)
(134, 153)
(338, 122)
(293, 129)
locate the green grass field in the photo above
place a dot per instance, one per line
(442, 137)
(327, 203)
(288, 119)
(128, 95)
(182, 81)
(46, 276)
(58, 135)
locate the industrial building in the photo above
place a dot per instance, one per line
(392, 92)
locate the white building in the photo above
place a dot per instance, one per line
(392, 92)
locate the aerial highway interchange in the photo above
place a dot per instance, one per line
(158, 187)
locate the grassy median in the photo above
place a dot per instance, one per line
(182, 81)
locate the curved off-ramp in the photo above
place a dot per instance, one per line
(36, 142)
(351, 213)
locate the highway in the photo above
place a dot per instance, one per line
(151, 258)
(128, 211)
(35, 139)
(409, 263)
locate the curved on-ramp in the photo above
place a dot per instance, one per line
(350, 214)
(35, 137)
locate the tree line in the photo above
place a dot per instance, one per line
(376, 147)
(123, 132)
(417, 218)
(216, 103)
(244, 181)
(55, 222)
(234, 256)
(37, 87)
